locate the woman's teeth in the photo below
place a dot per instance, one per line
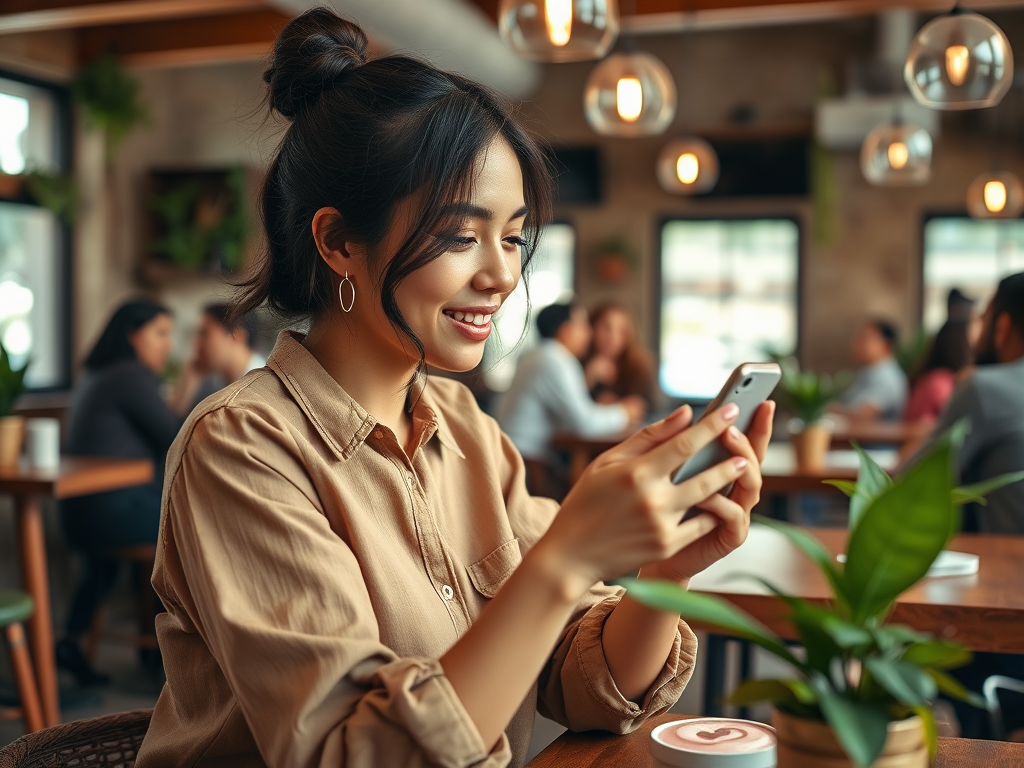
(465, 317)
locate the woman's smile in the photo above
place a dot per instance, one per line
(472, 322)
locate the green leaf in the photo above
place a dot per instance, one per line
(931, 732)
(937, 653)
(791, 691)
(891, 636)
(976, 493)
(860, 728)
(815, 550)
(907, 683)
(697, 607)
(901, 533)
(952, 687)
(872, 482)
(849, 487)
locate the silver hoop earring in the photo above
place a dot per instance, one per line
(341, 293)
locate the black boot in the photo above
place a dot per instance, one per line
(71, 658)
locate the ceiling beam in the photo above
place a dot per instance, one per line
(37, 15)
(181, 42)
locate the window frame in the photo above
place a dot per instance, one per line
(659, 293)
(63, 154)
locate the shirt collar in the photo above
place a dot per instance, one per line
(342, 422)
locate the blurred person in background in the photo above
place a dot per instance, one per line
(617, 364)
(949, 354)
(879, 389)
(549, 395)
(116, 411)
(224, 352)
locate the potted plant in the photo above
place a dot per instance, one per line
(12, 428)
(861, 695)
(56, 192)
(109, 97)
(614, 260)
(807, 395)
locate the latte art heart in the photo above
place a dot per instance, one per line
(718, 735)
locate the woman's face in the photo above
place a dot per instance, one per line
(152, 343)
(611, 333)
(449, 303)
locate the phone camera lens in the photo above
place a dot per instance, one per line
(748, 381)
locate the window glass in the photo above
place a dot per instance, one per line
(550, 280)
(32, 311)
(972, 255)
(728, 295)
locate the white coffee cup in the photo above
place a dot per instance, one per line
(42, 443)
(714, 742)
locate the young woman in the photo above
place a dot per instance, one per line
(950, 353)
(116, 411)
(618, 366)
(353, 570)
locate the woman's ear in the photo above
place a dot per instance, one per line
(333, 249)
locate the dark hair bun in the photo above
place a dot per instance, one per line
(311, 54)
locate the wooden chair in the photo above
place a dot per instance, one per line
(112, 741)
(15, 609)
(142, 555)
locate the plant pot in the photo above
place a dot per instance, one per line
(811, 744)
(12, 432)
(612, 268)
(811, 444)
(10, 186)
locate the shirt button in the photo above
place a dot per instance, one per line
(409, 481)
(447, 592)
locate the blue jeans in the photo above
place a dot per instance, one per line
(94, 525)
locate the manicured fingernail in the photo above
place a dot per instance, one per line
(730, 412)
(734, 433)
(739, 463)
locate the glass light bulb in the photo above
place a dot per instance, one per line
(898, 155)
(687, 168)
(629, 98)
(995, 196)
(958, 58)
(558, 18)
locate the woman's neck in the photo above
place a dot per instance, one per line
(371, 377)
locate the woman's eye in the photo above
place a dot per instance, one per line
(516, 241)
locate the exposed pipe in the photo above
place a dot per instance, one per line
(451, 34)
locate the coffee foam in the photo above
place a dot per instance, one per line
(716, 735)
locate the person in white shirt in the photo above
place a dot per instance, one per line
(879, 390)
(223, 354)
(549, 391)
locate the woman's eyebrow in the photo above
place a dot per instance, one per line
(471, 211)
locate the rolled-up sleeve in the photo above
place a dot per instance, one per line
(269, 586)
(576, 688)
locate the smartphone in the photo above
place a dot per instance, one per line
(748, 386)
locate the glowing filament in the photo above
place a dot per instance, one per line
(995, 196)
(558, 16)
(629, 98)
(687, 168)
(898, 155)
(958, 59)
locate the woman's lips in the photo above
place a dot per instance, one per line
(471, 329)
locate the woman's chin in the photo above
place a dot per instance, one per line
(455, 362)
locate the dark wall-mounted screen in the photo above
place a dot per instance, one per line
(577, 174)
(762, 168)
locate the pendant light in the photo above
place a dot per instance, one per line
(630, 94)
(688, 166)
(959, 61)
(897, 154)
(559, 30)
(995, 195)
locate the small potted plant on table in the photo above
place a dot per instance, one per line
(861, 695)
(808, 395)
(12, 428)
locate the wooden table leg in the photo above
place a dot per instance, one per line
(29, 514)
(579, 460)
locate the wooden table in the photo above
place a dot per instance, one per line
(76, 476)
(603, 750)
(984, 611)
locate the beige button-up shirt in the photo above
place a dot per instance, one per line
(313, 575)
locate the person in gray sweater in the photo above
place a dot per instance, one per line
(116, 410)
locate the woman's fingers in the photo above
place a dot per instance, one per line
(760, 432)
(673, 452)
(653, 435)
(734, 520)
(697, 527)
(709, 482)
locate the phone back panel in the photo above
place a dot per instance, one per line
(748, 386)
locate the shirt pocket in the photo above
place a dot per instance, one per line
(492, 571)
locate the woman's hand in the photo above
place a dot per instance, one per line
(625, 511)
(732, 512)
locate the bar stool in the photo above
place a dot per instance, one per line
(15, 608)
